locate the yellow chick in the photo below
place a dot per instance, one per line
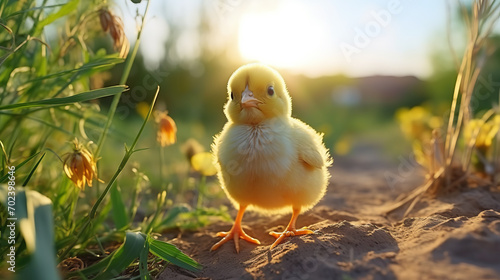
(267, 160)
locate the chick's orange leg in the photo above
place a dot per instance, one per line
(235, 233)
(290, 229)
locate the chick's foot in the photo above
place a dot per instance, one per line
(235, 233)
(290, 230)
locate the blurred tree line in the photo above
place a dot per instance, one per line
(194, 90)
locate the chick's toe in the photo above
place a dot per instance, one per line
(290, 230)
(235, 233)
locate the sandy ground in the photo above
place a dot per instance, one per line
(454, 237)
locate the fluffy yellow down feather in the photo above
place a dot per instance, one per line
(266, 159)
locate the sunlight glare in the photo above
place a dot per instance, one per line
(286, 38)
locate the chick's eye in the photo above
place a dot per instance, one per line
(270, 90)
(232, 96)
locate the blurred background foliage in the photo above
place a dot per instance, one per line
(348, 110)
(194, 88)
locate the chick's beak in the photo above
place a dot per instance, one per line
(248, 100)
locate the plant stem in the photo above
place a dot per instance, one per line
(160, 201)
(201, 191)
(133, 204)
(126, 157)
(123, 80)
(162, 164)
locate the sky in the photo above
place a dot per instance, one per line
(314, 38)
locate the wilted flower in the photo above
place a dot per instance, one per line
(80, 166)
(204, 163)
(167, 129)
(113, 24)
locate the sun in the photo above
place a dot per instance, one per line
(287, 37)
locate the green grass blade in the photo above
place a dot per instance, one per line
(3, 194)
(41, 121)
(63, 11)
(161, 200)
(171, 216)
(34, 220)
(129, 251)
(89, 95)
(105, 61)
(93, 269)
(3, 163)
(117, 261)
(32, 171)
(42, 264)
(143, 263)
(170, 253)
(33, 9)
(4, 177)
(119, 211)
(95, 122)
(27, 226)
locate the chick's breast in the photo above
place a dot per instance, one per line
(262, 165)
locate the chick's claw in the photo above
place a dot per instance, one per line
(290, 229)
(235, 233)
(287, 233)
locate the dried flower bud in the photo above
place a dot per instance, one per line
(80, 166)
(105, 18)
(167, 129)
(191, 148)
(113, 24)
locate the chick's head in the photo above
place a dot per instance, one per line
(256, 93)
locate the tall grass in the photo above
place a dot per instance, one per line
(480, 22)
(48, 97)
(449, 153)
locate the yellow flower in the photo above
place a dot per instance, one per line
(417, 123)
(495, 127)
(204, 163)
(80, 166)
(167, 129)
(343, 145)
(142, 108)
(486, 132)
(472, 127)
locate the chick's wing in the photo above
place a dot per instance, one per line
(309, 145)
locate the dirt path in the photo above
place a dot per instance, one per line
(457, 237)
